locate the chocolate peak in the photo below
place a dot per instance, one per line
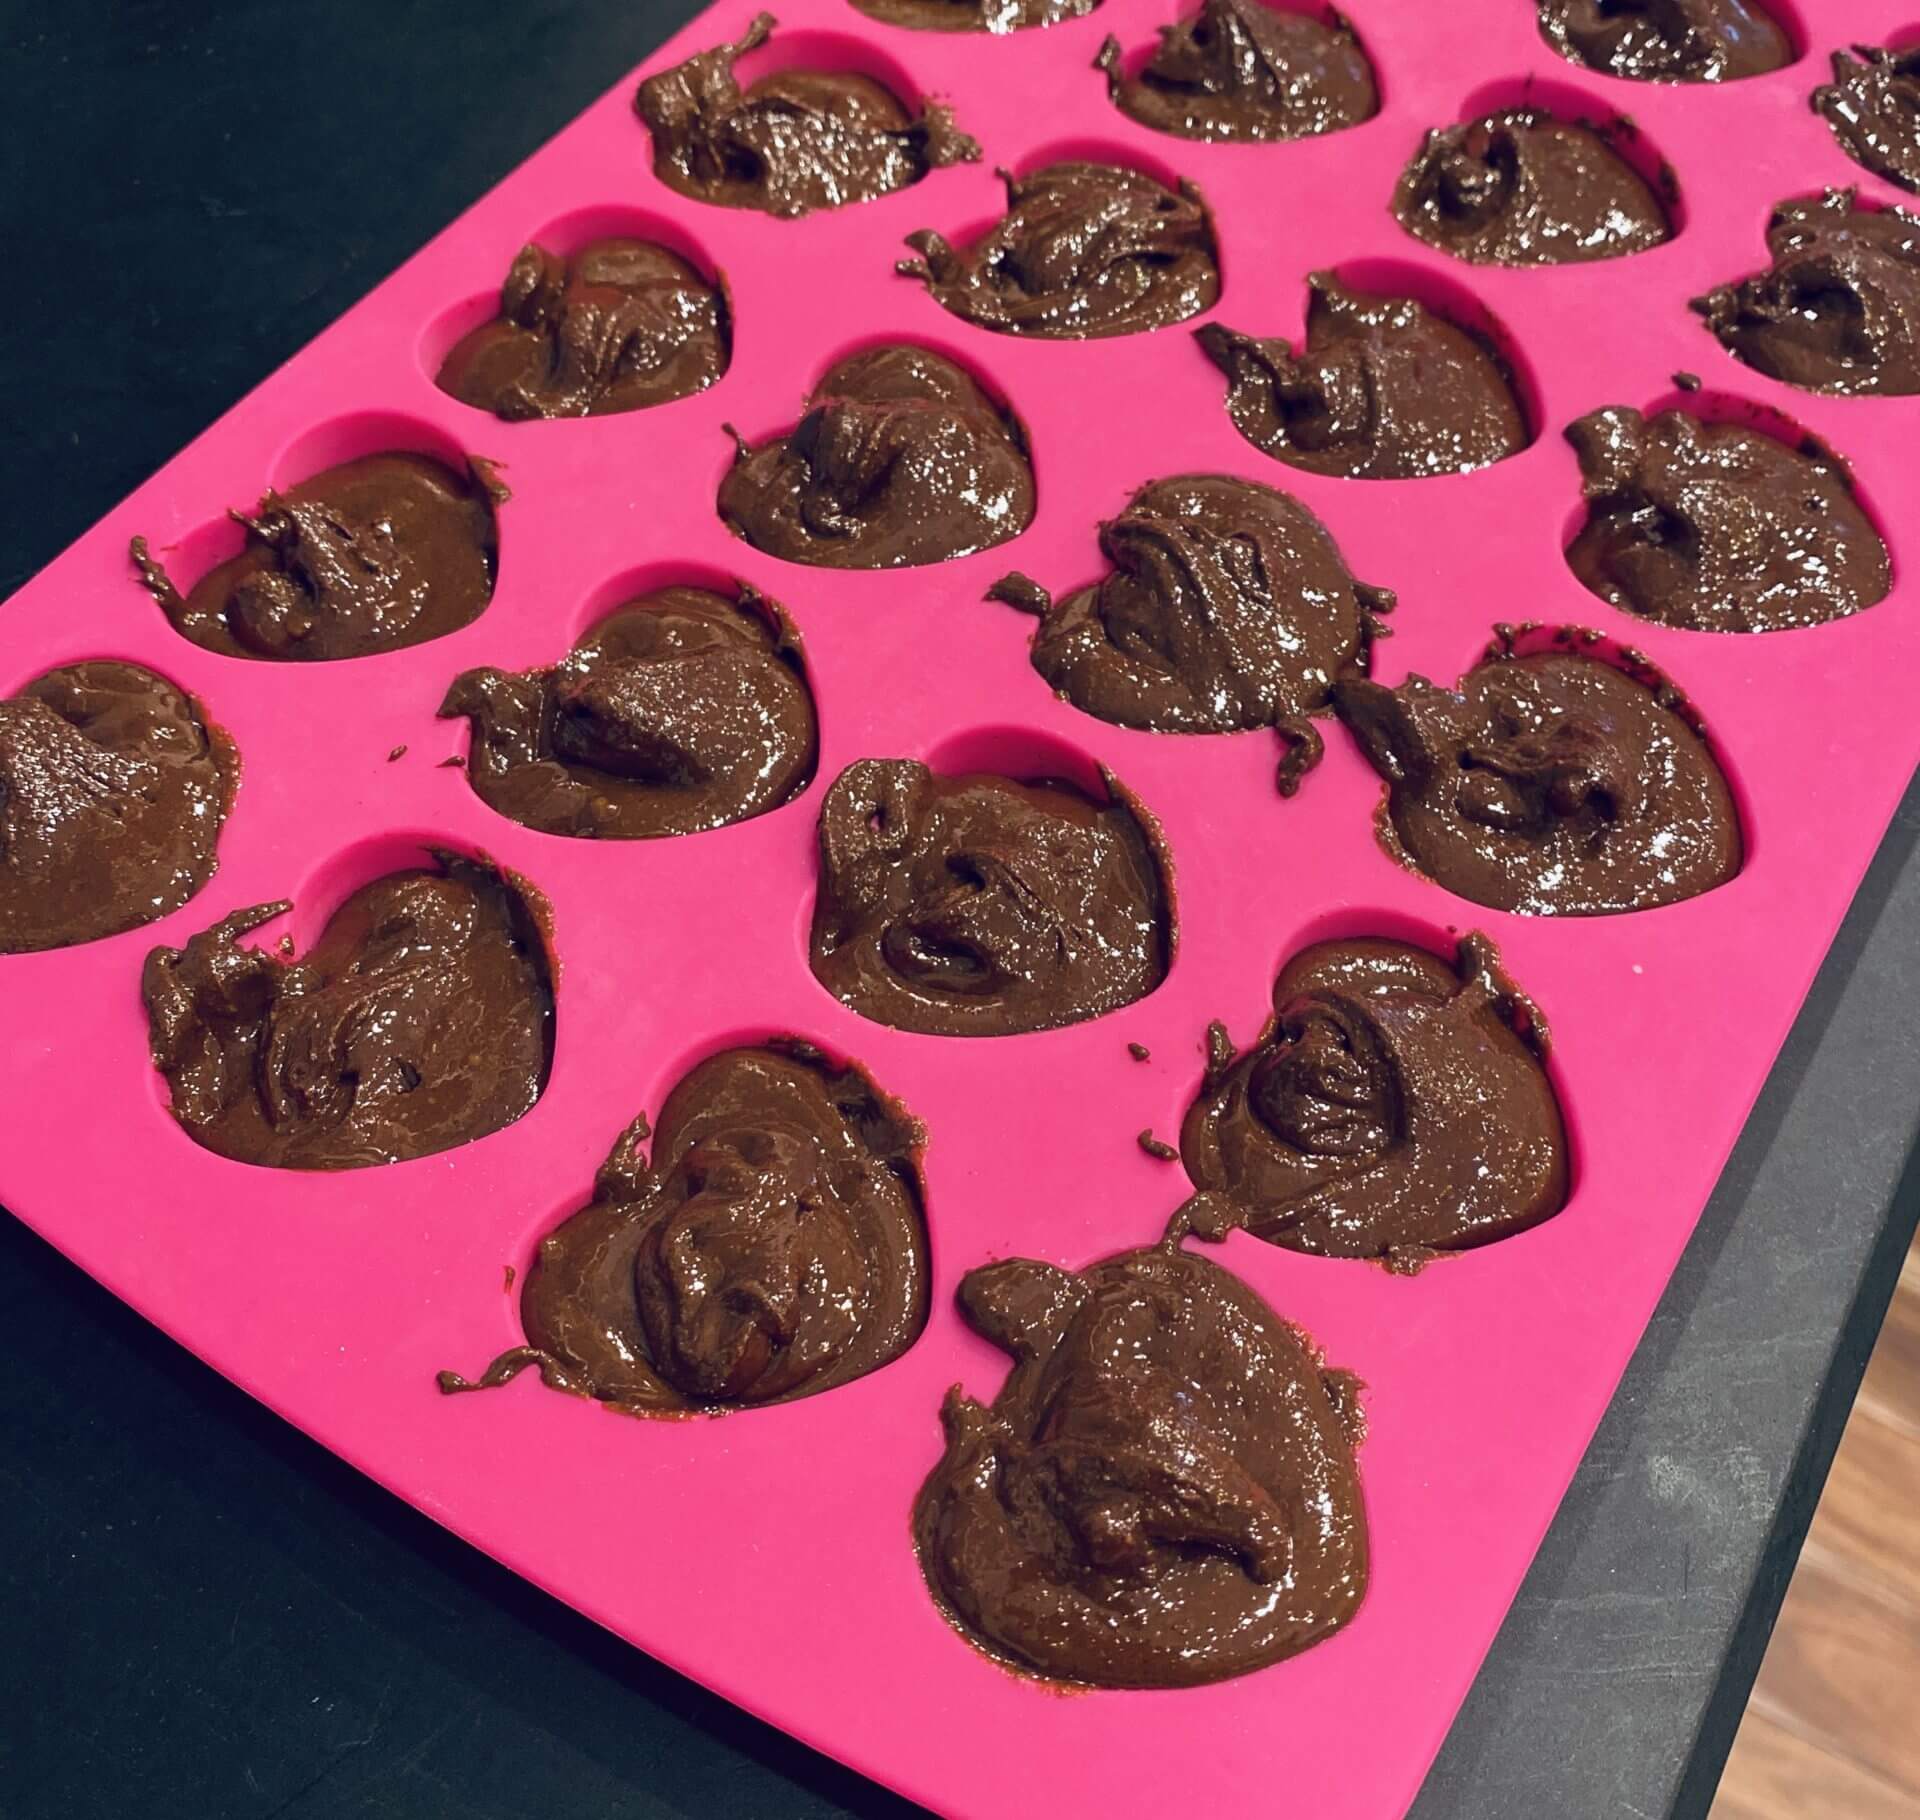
(1873, 106)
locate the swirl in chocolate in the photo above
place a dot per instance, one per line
(900, 460)
(374, 555)
(1394, 1107)
(1839, 308)
(981, 906)
(1163, 1493)
(1229, 606)
(775, 1248)
(1522, 188)
(1083, 251)
(1873, 106)
(974, 15)
(1667, 40)
(1384, 389)
(1242, 70)
(421, 1019)
(1552, 783)
(1719, 528)
(622, 325)
(113, 788)
(680, 711)
(794, 141)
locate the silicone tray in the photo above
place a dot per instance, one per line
(767, 1553)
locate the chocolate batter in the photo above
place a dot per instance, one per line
(1229, 607)
(1667, 40)
(981, 906)
(1162, 1494)
(1551, 783)
(1083, 251)
(113, 788)
(1519, 187)
(1839, 309)
(374, 555)
(1873, 106)
(1719, 528)
(1394, 1107)
(794, 141)
(622, 325)
(421, 1019)
(776, 1247)
(974, 15)
(900, 460)
(1239, 70)
(1384, 390)
(680, 711)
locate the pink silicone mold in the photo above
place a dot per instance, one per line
(767, 1553)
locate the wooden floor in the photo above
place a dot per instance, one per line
(1833, 1729)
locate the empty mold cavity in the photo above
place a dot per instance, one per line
(1762, 419)
(1574, 106)
(564, 236)
(1446, 297)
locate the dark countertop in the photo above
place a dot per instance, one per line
(208, 1615)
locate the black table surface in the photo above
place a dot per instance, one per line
(205, 1614)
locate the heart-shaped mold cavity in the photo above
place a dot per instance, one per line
(773, 1246)
(1563, 775)
(1676, 41)
(1401, 374)
(1535, 174)
(1837, 308)
(903, 458)
(376, 532)
(1246, 71)
(786, 123)
(417, 1016)
(115, 784)
(996, 16)
(989, 903)
(680, 709)
(603, 310)
(1709, 512)
(1395, 1105)
(1095, 241)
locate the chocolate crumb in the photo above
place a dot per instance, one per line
(507, 1286)
(398, 752)
(455, 763)
(1687, 382)
(1139, 1051)
(1157, 1147)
